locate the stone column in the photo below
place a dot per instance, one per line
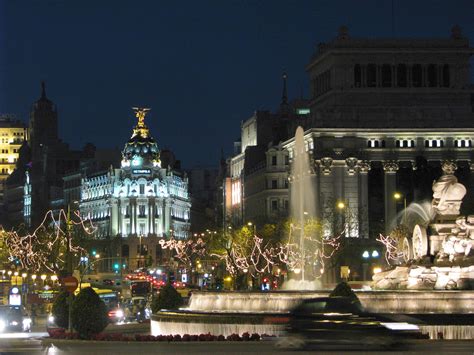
(351, 197)
(364, 168)
(326, 196)
(390, 184)
(114, 217)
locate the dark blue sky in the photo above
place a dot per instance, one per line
(202, 66)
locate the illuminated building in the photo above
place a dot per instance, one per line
(383, 115)
(12, 135)
(139, 203)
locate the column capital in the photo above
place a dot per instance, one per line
(351, 164)
(449, 167)
(326, 165)
(364, 166)
(390, 166)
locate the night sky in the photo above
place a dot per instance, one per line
(202, 66)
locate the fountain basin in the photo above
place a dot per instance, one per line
(447, 314)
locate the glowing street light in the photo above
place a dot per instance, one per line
(15, 273)
(365, 254)
(398, 196)
(33, 277)
(341, 205)
(24, 275)
(43, 277)
(54, 278)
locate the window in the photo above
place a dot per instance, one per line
(416, 75)
(287, 160)
(386, 75)
(402, 75)
(141, 210)
(446, 76)
(432, 76)
(434, 143)
(274, 205)
(142, 189)
(274, 160)
(375, 143)
(462, 143)
(274, 184)
(405, 143)
(286, 205)
(286, 183)
(357, 76)
(371, 75)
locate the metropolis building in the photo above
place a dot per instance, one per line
(382, 116)
(141, 202)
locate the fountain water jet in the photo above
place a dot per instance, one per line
(302, 206)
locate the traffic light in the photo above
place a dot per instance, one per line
(116, 266)
(94, 252)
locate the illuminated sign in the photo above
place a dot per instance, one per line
(141, 171)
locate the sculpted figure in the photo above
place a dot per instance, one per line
(448, 192)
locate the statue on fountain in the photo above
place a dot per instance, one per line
(439, 255)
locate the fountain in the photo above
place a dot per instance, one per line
(438, 260)
(302, 206)
(438, 255)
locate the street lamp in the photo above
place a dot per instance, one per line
(398, 196)
(250, 224)
(341, 205)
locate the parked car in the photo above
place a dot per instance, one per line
(339, 320)
(14, 319)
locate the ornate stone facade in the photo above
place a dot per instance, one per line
(141, 202)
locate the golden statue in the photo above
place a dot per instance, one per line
(140, 113)
(140, 128)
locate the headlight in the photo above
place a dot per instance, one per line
(2, 325)
(14, 323)
(51, 319)
(400, 326)
(119, 313)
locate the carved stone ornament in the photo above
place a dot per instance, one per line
(364, 166)
(420, 242)
(390, 166)
(406, 250)
(447, 191)
(351, 164)
(326, 164)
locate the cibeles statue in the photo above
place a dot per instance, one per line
(447, 191)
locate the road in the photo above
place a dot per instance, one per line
(36, 345)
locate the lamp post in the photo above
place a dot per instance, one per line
(250, 224)
(398, 196)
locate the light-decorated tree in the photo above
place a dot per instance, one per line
(45, 248)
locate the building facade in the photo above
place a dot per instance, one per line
(12, 135)
(139, 203)
(383, 115)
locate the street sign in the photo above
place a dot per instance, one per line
(70, 283)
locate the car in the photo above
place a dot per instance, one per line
(339, 321)
(14, 319)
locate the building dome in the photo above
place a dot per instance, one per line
(141, 150)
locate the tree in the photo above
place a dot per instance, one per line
(45, 248)
(60, 310)
(168, 298)
(89, 313)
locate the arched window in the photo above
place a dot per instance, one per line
(432, 75)
(386, 76)
(383, 144)
(402, 75)
(357, 76)
(371, 75)
(416, 75)
(446, 80)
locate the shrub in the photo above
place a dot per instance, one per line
(89, 313)
(168, 298)
(60, 310)
(344, 290)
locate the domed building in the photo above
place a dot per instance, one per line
(141, 202)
